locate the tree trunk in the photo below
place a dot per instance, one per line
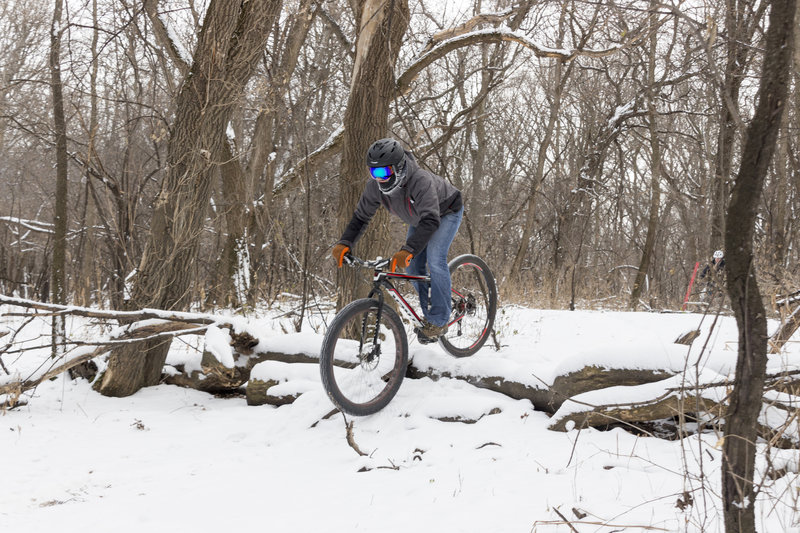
(381, 26)
(269, 125)
(738, 459)
(575, 228)
(233, 280)
(655, 166)
(86, 261)
(560, 79)
(741, 22)
(777, 227)
(59, 259)
(231, 41)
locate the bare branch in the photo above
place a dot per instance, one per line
(320, 155)
(125, 316)
(165, 39)
(488, 37)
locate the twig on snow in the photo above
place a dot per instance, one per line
(351, 439)
(564, 518)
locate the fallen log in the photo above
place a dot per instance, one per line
(688, 338)
(592, 377)
(217, 378)
(673, 399)
(549, 398)
(122, 316)
(667, 406)
(83, 353)
(131, 327)
(790, 324)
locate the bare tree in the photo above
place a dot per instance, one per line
(58, 282)
(231, 40)
(738, 462)
(567, 193)
(655, 161)
(560, 78)
(742, 20)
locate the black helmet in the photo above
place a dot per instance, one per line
(384, 153)
(388, 153)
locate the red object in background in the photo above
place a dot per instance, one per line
(689, 290)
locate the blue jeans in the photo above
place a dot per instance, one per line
(436, 307)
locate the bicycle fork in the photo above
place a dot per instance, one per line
(376, 339)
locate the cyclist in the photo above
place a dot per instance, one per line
(430, 206)
(714, 270)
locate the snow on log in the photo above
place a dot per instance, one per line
(632, 364)
(541, 398)
(280, 383)
(246, 352)
(638, 403)
(232, 346)
(673, 397)
(214, 377)
(778, 420)
(548, 399)
(591, 378)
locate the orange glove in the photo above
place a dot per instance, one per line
(401, 259)
(338, 253)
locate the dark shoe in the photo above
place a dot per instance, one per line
(422, 338)
(432, 331)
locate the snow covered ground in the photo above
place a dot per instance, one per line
(172, 459)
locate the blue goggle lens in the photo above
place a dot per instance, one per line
(380, 173)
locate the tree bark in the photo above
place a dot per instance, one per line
(232, 38)
(738, 459)
(233, 276)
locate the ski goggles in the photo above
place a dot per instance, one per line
(381, 173)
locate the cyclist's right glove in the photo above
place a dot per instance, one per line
(338, 253)
(401, 259)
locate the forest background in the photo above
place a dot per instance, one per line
(593, 142)
(180, 155)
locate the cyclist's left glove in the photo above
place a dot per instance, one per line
(401, 259)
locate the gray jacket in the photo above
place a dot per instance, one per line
(420, 201)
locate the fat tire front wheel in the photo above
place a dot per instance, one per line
(360, 375)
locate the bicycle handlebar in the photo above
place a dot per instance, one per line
(375, 264)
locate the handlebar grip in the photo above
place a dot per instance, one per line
(353, 261)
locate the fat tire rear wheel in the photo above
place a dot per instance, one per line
(474, 295)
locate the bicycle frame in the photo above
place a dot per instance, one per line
(380, 280)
